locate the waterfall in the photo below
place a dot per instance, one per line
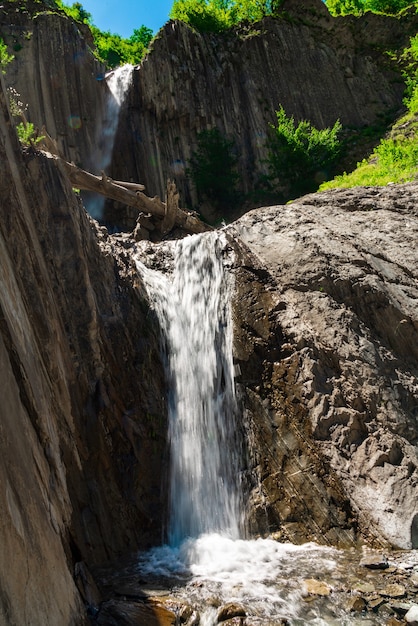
(118, 82)
(206, 564)
(193, 308)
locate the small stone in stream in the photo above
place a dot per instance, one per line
(414, 579)
(393, 621)
(393, 591)
(364, 587)
(412, 616)
(230, 610)
(374, 561)
(401, 607)
(374, 602)
(356, 604)
(316, 587)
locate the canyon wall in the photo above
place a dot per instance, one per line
(82, 419)
(56, 76)
(318, 67)
(327, 334)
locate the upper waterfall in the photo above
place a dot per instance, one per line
(118, 82)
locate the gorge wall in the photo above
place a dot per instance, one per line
(58, 80)
(82, 430)
(318, 67)
(327, 322)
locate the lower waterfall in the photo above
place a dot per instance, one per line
(207, 563)
(193, 308)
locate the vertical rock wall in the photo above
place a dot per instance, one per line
(318, 67)
(57, 78)
(82, 416)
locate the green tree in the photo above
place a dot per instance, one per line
(111, 48)
(213, 170)
(357, 7)
(299, 155)
(219, 15)
(142, 35)
(5, 57)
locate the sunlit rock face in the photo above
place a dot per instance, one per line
(318, 67)
(326, 341)
(82, 426)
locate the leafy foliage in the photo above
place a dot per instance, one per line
(219, 15)
(300, 154)
(357, 7)
(28, 135)
(112, 49)
(213, 170)
(5, 57)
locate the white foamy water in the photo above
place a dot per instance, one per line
(193, 308)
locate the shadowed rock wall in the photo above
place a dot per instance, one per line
(56, 76)
(82, 420)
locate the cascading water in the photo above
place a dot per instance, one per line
(206, 563)
(118, 82)
(193, 308)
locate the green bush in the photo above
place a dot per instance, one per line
(28, 135)
(5, 57)
(300, 155)
(219, 15)
(111, 48)
(358, 7)
(213, 170)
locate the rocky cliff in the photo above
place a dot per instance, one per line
(327, 312)
(58, 80)
(318, 67)
(82, 431)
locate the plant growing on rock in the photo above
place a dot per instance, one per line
(358, 7)
(300, 155)
(218, 15)
(5, 57)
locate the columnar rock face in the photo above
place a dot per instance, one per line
(327, 339)
(59, 82)
(318, 67)
(82, 419)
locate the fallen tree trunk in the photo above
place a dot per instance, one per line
(130, 194)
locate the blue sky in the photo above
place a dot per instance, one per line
(122, 16)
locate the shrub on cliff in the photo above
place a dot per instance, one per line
(219, 15)
(358, 7)
(5, 57)
(300, 155)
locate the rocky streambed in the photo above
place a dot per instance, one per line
(311, 585)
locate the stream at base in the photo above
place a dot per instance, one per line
(277, 583)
